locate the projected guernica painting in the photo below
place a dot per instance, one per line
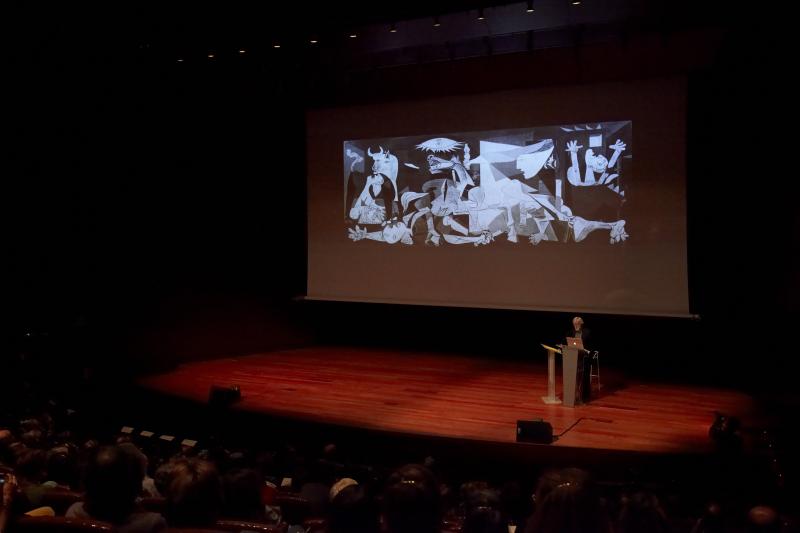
(529, 186)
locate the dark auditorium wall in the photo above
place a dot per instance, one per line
(160, 210)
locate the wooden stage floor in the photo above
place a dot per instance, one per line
(454, 396)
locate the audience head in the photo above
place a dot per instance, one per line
(482, 508)
(566, 502)
(340, 485)
(242, 488)
(233, 460)
(5, 436)
(194, 494)
(164, 474)
(641, 512)
(285, 461)
(516, 502)
(140, 458)
(479, 494)
(330, 452)
(712, 519)
(63, 467)
(33, 438)
(31, 465)
(15, 451)
(352, 510)
(483, 519)
(113, 481)
(411, 501)
(763, 519)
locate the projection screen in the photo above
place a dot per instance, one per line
(563, 199)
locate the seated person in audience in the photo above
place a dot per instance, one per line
(315, 486)
(485, 520)
(478, 494)
(316, 492)
(30, 470)
(63, 470)
(482, 509)
(763, 519)
(516, 502)
(641, 512)
(353, 510)
(113, 481)
(567, 502)
(412, 501)
(194, 494)
(242, 488)
(163, 474)
(148, 484)
(33, 432)
(712, 521)
(339, 486)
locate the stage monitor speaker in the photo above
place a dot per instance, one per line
(219, 396)
(537, 431)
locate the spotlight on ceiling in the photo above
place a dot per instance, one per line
(353, 35)
(393, 28)
(576, 2)
(436, 22)
(276, 45)
(530, 7)
(313, 40)
(211, 55)
(480, 14)
(242, 51)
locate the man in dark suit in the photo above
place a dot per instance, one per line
(584, 368)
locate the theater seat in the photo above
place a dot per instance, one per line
(154, 504)
(55, 524)
(244, 525)
(234, 525)
(294, 508)
(315, 525)
(60, 499)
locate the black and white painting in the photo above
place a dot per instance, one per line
(527, 186)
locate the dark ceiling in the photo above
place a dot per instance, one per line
(183, 28)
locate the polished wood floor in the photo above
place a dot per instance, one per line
(455, 396)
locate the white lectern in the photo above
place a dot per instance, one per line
(551, 398)
(569, 375)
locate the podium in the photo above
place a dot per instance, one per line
(569, 374)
